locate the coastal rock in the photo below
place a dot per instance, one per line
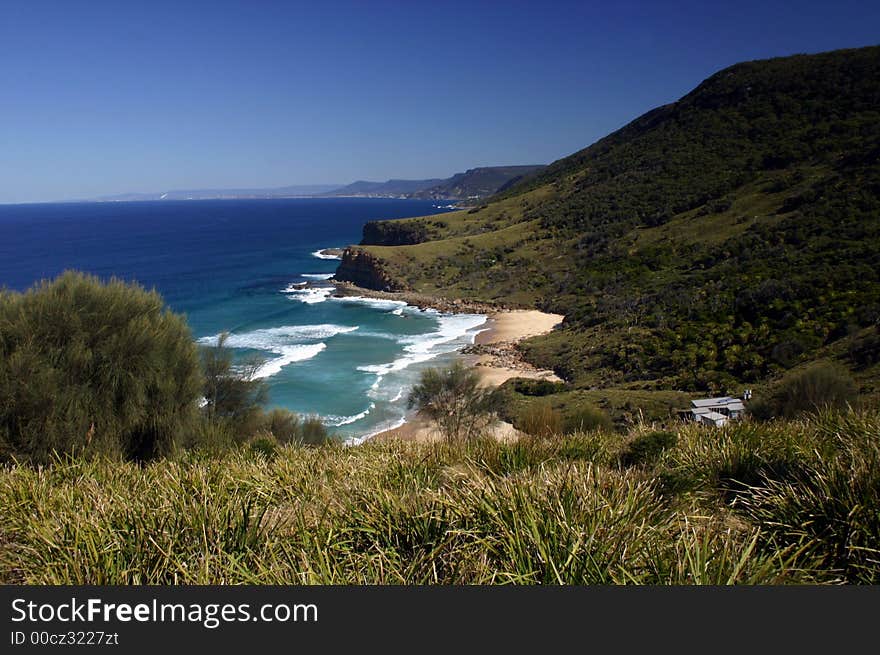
(362, 269)
(420, 300)
(503, 354)
(332, 252)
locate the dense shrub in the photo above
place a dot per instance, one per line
(529, 387)
(586, 417)
(284, 425)
(539, 419)
(233, 394)
(865, 351)
(455, 401)
(264, 444)
(88, 366)
(822, 385)
(759, 284)
(395, 233)
(312, 432)
(647, 448)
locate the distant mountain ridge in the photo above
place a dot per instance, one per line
(479, 182)
(292, 191)
(390, 188)
(474, 183)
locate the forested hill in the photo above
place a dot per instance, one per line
(474, 183)
(716, 241)
(478, 182)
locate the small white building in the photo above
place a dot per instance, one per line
(717, 411)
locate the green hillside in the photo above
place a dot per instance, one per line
(714, 242)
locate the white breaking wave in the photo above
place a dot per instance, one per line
(354, 441)
(282, 341)
(336, 421)
(317, 276)
(320, 255)
(376, 303)
(276, 337)
(424, 347)
(308, 296)
(288, 355)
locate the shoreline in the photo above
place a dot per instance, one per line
(493, 354)
(496, 356)
(420, 300)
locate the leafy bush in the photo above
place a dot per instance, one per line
(529, 387)
(94, 367)
(264, 444)
(455, 401)
(233, 394)
(313, 432)
(865, 351)
(822, 385)
(284, 425)
(586, 418)
(647, 448)
(209, 437)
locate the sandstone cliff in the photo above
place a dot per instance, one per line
(364, 270)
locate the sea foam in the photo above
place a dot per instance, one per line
(321, 255)
(425, 347)
(390, 425)
(376, 303)
(285, 342)
(336, 421)
(309, 296)
(288, 355)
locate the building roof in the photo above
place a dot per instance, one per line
(715, 402)
(715, 417)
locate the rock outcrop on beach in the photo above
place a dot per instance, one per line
(502, 354)
(421, 300)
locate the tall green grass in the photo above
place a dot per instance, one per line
(784, 502)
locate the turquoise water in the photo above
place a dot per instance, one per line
(239, 266)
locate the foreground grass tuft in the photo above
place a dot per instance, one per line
(784, 502)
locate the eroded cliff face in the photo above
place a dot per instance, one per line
(363, 269)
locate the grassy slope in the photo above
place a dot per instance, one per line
(713, 243)
(583, 509)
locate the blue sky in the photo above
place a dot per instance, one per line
(110, 97)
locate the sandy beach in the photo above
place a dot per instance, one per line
(496, 356)
(496, 359)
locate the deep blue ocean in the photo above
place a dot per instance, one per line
(239, 266)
